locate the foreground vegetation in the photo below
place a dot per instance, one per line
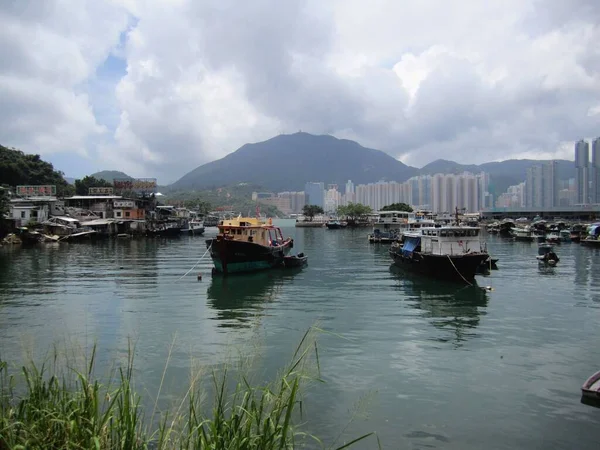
(52, 406)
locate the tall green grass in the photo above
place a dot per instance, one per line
(52, 407)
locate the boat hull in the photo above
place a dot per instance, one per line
(455, 267)
(231, 256)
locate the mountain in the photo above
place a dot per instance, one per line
(110, 175)
(502, 173)
(288, 161)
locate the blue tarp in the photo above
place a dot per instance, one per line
(409, 245)
(594, 229)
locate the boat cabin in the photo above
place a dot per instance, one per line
(446, 240)
(251, 229)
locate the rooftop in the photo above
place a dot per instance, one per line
(94, 197)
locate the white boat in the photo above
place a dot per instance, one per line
(195, 227)
(390, 226)
(522, 234)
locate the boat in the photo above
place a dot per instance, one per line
(247, 244)
(592, 239)
(577, 232)
(389, 226)
(522, 234)
(447, 252)
(298, 260)
(165, 229)
(486, 266)
(565, 235)
(591, 387)
(546, 255)
(493, 228)
(194, 227)
(553, 237)
(505, 226)
(335, 224)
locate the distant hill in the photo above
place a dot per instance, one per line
(287, 162)
(110, 175)
(503, 173)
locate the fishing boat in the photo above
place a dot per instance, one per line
(565, 235)
(298, 260)
(553, 237)
(389, 226)
(592, 239)
(522, 234)
(591, 387)
(577, 232)
(447, 252)
(247, 244)
(194, 227)
(335, 224)
(546, 255)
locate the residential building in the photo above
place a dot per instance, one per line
(542, 186)
(582, 157)
(315, 193)
(595, 194)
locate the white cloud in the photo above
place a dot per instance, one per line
(470, 81)
(47, 50)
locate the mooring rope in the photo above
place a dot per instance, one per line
(198, 262)
(458, 271)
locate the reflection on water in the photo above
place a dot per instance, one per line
(450, 306)
(241, 297)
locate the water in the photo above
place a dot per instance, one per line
(424, 364)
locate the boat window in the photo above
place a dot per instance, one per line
(263, 234)
(443, 233)
(239, 231)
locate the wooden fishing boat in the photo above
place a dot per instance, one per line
(247, 244)
(591, 387)
(298, 260)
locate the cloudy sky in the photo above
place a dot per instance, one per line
(157, 87)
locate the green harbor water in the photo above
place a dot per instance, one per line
(424, 364)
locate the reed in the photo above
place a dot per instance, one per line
(55, 407)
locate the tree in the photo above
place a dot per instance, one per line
(310, 211)
(397, 207)
(354, 212)
(83, 186)
(18, 168)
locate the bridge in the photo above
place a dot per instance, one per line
(577, 212)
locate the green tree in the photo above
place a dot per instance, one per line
(82, 186)
(203, 207)
(310, 211)
(397, 207)
(18, 168)
(354, 212)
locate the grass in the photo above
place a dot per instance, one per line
(51, 406)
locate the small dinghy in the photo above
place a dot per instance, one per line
(295, 260)
(591, 387)
(546, 255)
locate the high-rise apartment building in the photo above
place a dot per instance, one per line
(315, 193)
(582, 157)
(595, 194)
(541, 186)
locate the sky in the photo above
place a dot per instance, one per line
(156, 88)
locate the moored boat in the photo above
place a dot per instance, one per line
(335, 224)
(247, 244)
(194, 227)
(522, 234)
(591, 387)
(298, 260)
(447, 252)
(546, 255)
